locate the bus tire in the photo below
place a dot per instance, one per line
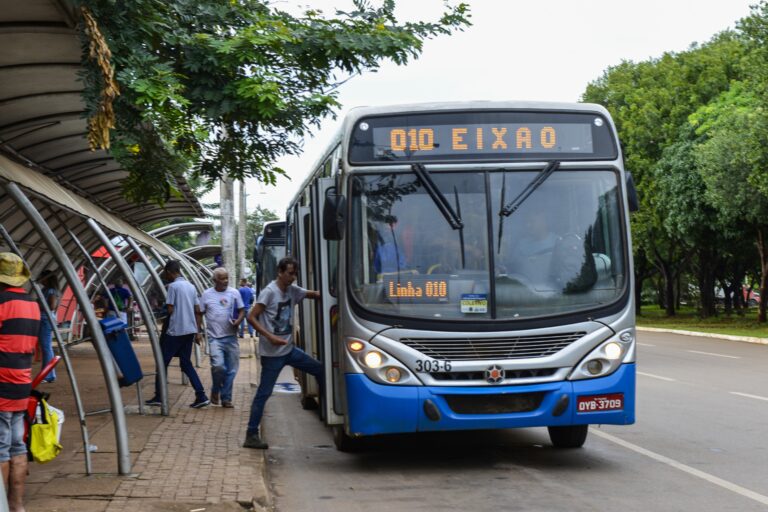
(344, 442)
(571, 436)
(308, 403)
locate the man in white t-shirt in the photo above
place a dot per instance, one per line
(223, 310)
(271, 316)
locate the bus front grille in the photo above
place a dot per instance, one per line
(474, 349)
(508, 374)
(494, 404)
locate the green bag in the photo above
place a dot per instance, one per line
(43, 436)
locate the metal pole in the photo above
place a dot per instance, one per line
(62, 348)
(146, 313)
(98, 339)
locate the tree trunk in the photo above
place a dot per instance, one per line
(761, 249)
(638, 294)
(227, 193)
(242, 223)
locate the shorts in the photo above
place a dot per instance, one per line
(11, 435)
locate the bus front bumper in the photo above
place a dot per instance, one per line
(380, 409)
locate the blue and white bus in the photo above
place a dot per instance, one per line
(475, 266)
(268, 250)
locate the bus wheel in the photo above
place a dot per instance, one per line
(572, 436)
(308, 403)
(343, 442)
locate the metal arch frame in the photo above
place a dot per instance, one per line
(53, 320)
(149, 319)
(184, 227)
(98, 339)
(152, 332)
(159, 362)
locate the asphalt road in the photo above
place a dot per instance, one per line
(699, 444)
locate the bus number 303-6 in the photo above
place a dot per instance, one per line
(430, 365)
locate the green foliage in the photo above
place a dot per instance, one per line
(231, 86)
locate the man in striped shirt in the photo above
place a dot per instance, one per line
(19, 326)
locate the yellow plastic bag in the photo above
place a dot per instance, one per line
(43, 443)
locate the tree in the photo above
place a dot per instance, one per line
(732, 162)
(213, 86)
(650, 103)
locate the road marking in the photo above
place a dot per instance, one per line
(756, 397)
(713, 354)
(725, 484)
(656, 376)
(646, 345)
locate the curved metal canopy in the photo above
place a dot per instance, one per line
(201, 252)
(184, 227)
(42, 124)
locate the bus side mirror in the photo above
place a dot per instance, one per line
(334, 215)
(632, 201)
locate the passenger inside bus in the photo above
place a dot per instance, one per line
(389, 255)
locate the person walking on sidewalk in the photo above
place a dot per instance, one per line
(48, 286)
(271, 317)
(19, 327)
(224, 311)
(246, 293)
(183, 330)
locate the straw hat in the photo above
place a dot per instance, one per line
(12, 269)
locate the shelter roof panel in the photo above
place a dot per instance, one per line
(42, 118)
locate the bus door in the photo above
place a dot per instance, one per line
(305, 328)
(326, 263)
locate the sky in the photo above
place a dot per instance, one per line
(515, 50)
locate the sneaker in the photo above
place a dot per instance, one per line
(153, 401)
(199, 403)
(254, 441)
(227, 404)
(214, 398)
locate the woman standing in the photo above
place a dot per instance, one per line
(48, 284)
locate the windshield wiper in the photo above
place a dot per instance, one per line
(535, 183)
(437, 197)
(513, 205)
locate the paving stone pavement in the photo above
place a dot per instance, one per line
(191, 459)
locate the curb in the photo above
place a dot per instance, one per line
(745, 339)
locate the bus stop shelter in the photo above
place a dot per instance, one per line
(61, 204)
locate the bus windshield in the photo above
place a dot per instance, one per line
(561, 251)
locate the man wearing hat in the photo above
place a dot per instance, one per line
(19, 326)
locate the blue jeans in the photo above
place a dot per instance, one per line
(225, 360)
(241, 330)
(11, 435)
(181, 347)
(270, 369)
(45, 340)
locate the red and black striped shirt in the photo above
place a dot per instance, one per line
(19, 326)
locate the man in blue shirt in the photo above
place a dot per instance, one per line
(246, 293)
(183, 330)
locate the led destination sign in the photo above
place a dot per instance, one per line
(481, 136)
(484, 139)
(416, 289)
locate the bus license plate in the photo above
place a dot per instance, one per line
(599, 403)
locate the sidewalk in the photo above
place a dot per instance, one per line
(189, 460)
(745, 339)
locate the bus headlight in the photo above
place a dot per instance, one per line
(373, 359)
(605, 358)
(392, 374)
(356, 345)
(377, 364)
